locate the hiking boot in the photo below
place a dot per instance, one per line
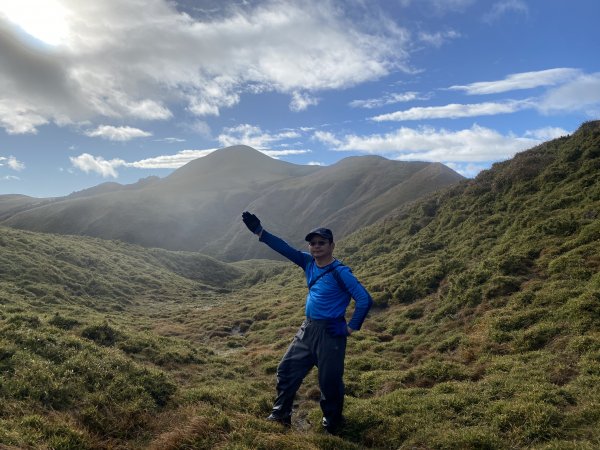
(333, 426)
(286, 421)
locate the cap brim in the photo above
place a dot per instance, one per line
(309, 236)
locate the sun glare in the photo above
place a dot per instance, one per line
(45, 20)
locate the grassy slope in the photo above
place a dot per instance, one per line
(78, 365)
(494, 289)
(486, 333)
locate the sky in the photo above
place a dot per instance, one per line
(119, 90)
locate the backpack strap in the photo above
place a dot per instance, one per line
(339, 280)
(336, 275)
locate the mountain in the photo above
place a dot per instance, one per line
(345, 196)
(13, 204)
(113, 187)
(198, 206)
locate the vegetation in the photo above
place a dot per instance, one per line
(485, 333)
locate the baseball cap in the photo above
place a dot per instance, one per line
(323, 232)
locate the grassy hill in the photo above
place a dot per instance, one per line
(81, 365)
(485, 334)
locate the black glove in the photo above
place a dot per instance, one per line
(252, 222)
(337, 327)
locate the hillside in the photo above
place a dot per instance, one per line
(97, 270)
(485, 334)
(79, 365)
(486, 330)
(12, 204)
(197, 207)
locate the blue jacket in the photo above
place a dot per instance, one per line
(326, 299)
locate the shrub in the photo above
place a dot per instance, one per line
(434, 371)
(40, 430)
(470, 437)
(518, 320)
(449, 344)
(102, 334)
(526, 422)
(584, 311)
(514, 264)
(414, 313)
(64, 323)
(537, 337)
(501, 285)
(6, 354)
(26, 321)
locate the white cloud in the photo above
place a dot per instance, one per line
(581, 94)
(547, 133)
(253, 136)
(468, 170)
(438, 38)
(474, 145)
(503, 7)
(441, 6)
(328, 138)
(454, 111)
(131, 59)
(15, 164)
(12, 163)
(315, 163)
(388, 99)
(144, 109)
(170, 140)
(19, 118)
(89, 163)
(170, 161)
(199, 127)
(517, 81)
(10, 178)
(301, 101)
(117, 133)
(279, 153)
(107, 168)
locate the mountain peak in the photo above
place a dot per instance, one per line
(238, 154)
(236, 165)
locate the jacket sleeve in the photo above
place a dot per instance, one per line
(361, 297)
(284, 249)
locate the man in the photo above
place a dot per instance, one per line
(321, 340)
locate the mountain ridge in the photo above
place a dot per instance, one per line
(198, 206)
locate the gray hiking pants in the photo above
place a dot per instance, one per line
(312, 346)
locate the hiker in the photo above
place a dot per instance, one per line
(321, 339)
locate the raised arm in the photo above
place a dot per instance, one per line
(276, 243)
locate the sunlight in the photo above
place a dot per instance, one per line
(44, 20)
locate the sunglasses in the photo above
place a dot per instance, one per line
(318, 243)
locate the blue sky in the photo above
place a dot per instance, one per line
(120, 90)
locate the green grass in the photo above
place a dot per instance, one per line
(485, 333)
